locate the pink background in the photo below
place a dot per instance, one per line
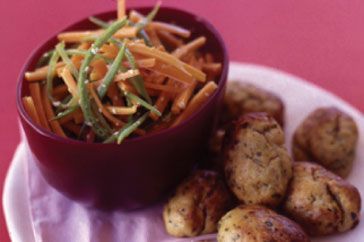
(319, 40)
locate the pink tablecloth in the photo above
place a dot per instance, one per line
(320, 40)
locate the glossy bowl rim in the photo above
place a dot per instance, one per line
(40, 130)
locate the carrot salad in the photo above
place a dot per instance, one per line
(129, 77)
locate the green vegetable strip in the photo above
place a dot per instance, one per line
(45, 58)
(71, 52)
(142, 34)
(90, 119)
(114, 136)
(125, 131)
(99, 118)
(137, 81)
(50, 76)
(130, 129)
(109, 77)
(98, 22)
(141, 25)
(68, 111)
(142, 102)
(64, 103)
(61, 51)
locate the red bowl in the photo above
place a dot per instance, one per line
(141, 170)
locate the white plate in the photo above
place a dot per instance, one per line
(300, 98)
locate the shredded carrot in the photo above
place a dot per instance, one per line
(168, 59)
(30, 109)
(122, 110)
(126, 75)
(143, 63)
(123, 86)
(165, 88)
(78, 117)
(70, 81)
(154, 38)
(74, 128)
(121, 9)
(126, 32)
(109, 50)
(114, 95)
(196, 102)
(162, 101)
(170, 39)
(172, 72)
(171, 28)
(103, 110)
(135, 16)
(40, 74)
(180, 102)
(99, 70)
(77, 59)
(60, 91)
(214, 68)
(191, 46)
(56, 127)
(78, 36)
(81, 36)
(36, 94)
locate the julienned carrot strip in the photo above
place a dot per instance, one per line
(99, 69)
(77, 59)
(122, 110)
(81, 36)
(126, 32)
(66, 118)
(135, 16)
(69, 81)
(126, 75)
(170, 28)
(123, 86)
(171, 72)
(56, 127)
(36, 94)
(114, 95)
(154, 38)
(78, 117)
(40, 74)
(74, 128)
(109, 50)
(167, 59)
(60, 91)
(164, 88)
(191, 46)
(30, 109)
(78, 36)
(170, 39)
(196, 102)
(162, 101)
(143, 63)
(214, 68)
(103, 110)
(180, 102)
(121, 9)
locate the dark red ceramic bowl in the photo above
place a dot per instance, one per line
(141, 170)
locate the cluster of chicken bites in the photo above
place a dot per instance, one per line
(261, 180)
